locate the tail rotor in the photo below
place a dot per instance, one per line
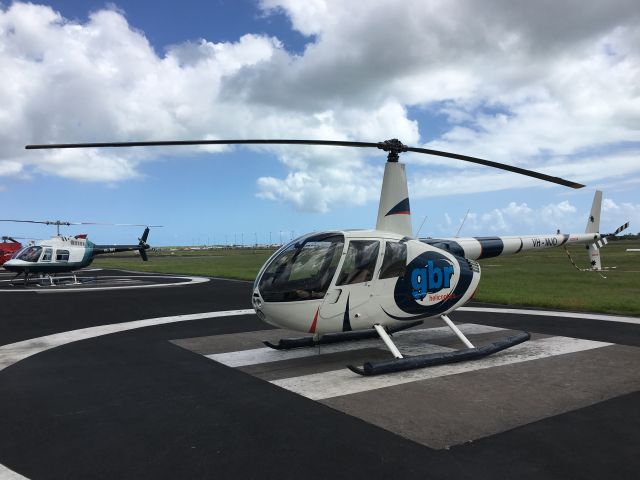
(143, 246)
(599, 239)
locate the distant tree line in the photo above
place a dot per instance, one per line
(629, 236)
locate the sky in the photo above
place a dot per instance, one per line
(549, 86)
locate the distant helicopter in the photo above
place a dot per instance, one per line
(353, 284)
(61, 253)
(8, 247)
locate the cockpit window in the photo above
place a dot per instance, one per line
(48, 252)
(303, 270)
(360, 262)
(29, 254)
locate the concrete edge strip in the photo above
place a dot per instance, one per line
(551, 313)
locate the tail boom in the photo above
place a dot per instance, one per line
(476, 248)
(141, 247)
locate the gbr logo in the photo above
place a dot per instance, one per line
(430, 278)
(434, 283)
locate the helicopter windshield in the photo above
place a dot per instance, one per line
(303, 270)
(29, 254)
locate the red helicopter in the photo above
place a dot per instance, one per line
(8, 247)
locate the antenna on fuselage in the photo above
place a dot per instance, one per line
(423, 220)
(462, 223)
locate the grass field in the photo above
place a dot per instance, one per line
(541, 279)
(241, 264)
(547, 279)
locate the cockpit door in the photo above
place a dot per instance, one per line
(346, 304)
(393, 267)
(46, 256)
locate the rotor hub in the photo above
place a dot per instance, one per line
(395, 147)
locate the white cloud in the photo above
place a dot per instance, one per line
(551, 87)
(65, 81)
(8, 167)
(623, 212)
(521, 219)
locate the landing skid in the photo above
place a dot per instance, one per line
(289, 343)
(44, 280)
(400, 363)
(432, 359)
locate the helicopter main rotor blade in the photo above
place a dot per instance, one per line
(501, 166)
(63, 223)
(46, 222)
(336, 143)
(21, 221)
(117, 224)
(394, 147)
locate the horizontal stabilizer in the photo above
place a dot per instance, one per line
(621, 228)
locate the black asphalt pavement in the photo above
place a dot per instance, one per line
(30, 314)
(134, 405)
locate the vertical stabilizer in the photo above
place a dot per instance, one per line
(394, 213)
(593, 226)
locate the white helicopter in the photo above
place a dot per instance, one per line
(61, 254)
(353, 284)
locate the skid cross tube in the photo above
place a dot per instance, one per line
(387, 340)
(457, 331)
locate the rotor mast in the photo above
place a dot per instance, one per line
(394, 211)
(57, 223)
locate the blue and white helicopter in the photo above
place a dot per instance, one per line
(353, 284)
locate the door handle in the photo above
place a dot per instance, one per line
(333, 296)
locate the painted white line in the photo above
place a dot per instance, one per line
(341, 382)
(14, 352)
(548, 313)
(48, 289)
(234, 280)
(406, 340)
(6, 474)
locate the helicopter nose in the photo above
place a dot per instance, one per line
(10, 265)
(256, 301)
